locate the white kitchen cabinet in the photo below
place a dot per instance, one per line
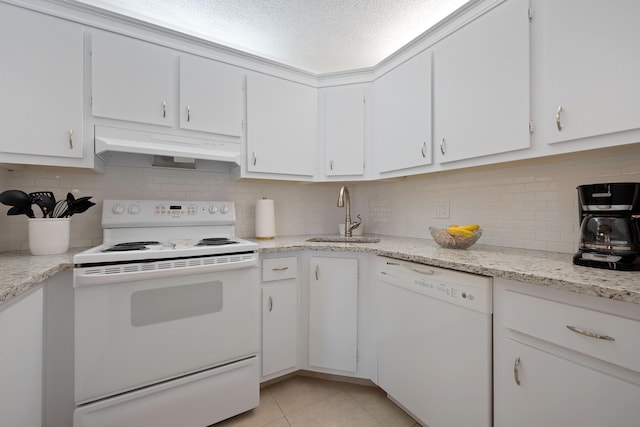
(21, 350)
(343, 111)
(41, 85)
(333, 313)
(211, 96)
(591, 68)
(547, 374)
(132, 80)
(482, 85)
(401, 113)
(281, 126)
(279, 316)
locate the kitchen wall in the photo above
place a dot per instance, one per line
(527, 204)
(300, 208)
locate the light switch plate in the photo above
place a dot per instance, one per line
(441, 209)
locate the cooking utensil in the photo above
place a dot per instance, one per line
(60, 209)
(79, 206)
(45, 200)
(18, 199)
(19, 210)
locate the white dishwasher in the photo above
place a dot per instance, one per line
(434, 342)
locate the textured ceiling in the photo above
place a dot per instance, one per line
(319, 36)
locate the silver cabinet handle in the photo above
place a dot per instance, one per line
(270, 304)
(424, 149)
(331, 164)
(254, 158)
(590, 334)
(516, 370)
(317, 271)
(443, 146)
(188, 113)
(558, 123)
(71, 139)
(164, 109)
(280, 269)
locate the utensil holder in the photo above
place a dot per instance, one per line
(49, 236)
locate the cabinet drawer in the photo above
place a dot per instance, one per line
(617, 340)
(279, 269)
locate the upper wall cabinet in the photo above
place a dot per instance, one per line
(591, 68)
(281, 126)
(343, 129)
(402, 116)
(131, 80)
(481, 85)
(211, 96)
(41, 87)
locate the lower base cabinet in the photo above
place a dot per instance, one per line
(556, 391)
(21, 352)
(279, 316)
(333, 313)
(564, 359)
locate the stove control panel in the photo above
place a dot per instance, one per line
(151, 213)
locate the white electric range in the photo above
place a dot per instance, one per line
(166, 317)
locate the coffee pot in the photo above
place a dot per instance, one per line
(609, 226)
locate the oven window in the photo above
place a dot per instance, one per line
(177, 302)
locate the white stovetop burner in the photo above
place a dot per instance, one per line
(165, 229)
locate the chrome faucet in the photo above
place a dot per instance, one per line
(343, 201)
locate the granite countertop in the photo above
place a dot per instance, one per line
(20, 271)
(551, 269)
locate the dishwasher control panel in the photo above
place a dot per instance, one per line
(464, 289)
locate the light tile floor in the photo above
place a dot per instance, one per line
(302, 401)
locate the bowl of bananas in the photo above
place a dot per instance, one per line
(456, 236)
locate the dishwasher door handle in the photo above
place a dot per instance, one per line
(429, 272)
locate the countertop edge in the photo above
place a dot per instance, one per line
(21, 271)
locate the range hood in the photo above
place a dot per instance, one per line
(141, 148)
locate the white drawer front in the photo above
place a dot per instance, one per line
(613, 339)
(279, 269)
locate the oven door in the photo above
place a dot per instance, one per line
(134, 330)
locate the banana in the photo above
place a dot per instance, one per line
(458, 231)
(462, 230)
(469, 227)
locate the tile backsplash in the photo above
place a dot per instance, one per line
(526, 204)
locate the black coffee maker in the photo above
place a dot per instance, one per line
(609, 226)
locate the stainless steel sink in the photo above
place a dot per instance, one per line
(343, 239)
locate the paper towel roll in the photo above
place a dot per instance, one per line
(265, 219)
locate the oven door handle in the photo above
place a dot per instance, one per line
(101, 275)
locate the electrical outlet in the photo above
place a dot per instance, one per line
(441, 210)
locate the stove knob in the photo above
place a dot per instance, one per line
(213, 209)
(224, 209)
(134, 209)
(117, 209)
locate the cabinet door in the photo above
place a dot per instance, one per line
(281, 126)
(21, 362)
(554, 391)
(333, 313)
(591, 68)
(41, 84)
(481, 85)
(279, 327)
(343, 109)
(131, 80)
(402, 116)
(210, 96)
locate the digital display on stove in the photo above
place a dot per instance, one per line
(175, 207)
